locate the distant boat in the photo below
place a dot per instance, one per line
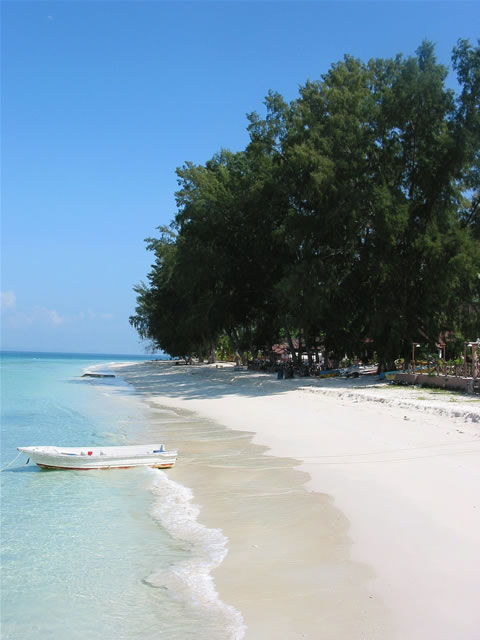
(328, 373)
(355, 371)
(88, 458)
(98, 375)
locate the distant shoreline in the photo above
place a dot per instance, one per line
(82, 354)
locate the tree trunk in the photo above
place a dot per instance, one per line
(309, 354)
(211, 356)
(232, 336)
(290, 342)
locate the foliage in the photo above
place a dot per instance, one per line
(351, 218)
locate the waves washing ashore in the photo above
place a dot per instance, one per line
(207, 549)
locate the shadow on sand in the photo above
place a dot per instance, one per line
(199, 382)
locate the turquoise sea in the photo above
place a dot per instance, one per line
(101, 554)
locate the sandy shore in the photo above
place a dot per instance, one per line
(352, 508)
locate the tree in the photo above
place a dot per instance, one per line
(168, 312)
(418, 258)
(352, 215)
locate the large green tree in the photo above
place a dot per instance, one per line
(351, 216)
(419, 258)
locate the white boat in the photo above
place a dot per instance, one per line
(88, 458)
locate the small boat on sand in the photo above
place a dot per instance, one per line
(88, 458)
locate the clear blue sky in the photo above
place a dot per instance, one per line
(101, 101)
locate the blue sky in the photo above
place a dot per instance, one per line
(101, 101)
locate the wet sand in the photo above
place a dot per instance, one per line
(350, 512)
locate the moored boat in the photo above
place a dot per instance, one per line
(98, 375)
(89, 458)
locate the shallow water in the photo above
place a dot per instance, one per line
(111, 554)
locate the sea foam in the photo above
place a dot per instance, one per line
(207, 547)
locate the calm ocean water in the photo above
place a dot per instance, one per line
(104, 554)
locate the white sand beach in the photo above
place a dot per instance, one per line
(352, 508)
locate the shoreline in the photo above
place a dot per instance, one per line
(374, 532)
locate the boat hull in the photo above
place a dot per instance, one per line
(101, 458)
(131, 466)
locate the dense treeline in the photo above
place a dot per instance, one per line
(351, 220)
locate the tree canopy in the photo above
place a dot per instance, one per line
(351, 218)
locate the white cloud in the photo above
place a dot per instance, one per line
(37, 316)
(40, 316)
(50, 315)
(94, 315)
(7, 300)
